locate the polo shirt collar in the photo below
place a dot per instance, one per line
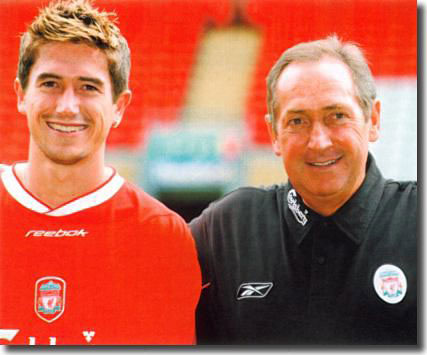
(353, 218)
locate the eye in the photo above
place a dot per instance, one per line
(296, 124)
(49, 84)
(88, 87)
(295, 121)
(339, 115)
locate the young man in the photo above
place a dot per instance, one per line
(85, 257)
(330, 257)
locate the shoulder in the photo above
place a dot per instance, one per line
(401, 191)
(401, 187)
(251, 194)
(240, 205)
(162, 236)
(399, 202)
(140, 201)
(147, 224)
(244, 197)
(134, 203)
(234, 224)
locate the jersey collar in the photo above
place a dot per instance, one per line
(353, 218)
(103, 193)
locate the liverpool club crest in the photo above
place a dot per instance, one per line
(390, 283)
(49, 300)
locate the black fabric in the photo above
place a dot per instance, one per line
(321, 271)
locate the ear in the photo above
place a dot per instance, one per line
(272, 133)
(20, 95)
(374, 129)
(122, 102)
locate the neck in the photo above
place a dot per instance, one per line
(327, 205)
(324, 206)
(55, 184)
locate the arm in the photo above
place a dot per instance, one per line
(205, 314)
(181, 294)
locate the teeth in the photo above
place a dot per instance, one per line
(66, 129)
(330, 162)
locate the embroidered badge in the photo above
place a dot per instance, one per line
(254, 290)
(49, 300)
(390, 283)
(294, 206)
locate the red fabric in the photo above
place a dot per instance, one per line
(132, 279)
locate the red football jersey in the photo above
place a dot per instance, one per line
(114, 266)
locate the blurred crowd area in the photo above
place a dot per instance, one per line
(195, 128)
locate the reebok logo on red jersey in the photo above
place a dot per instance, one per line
(57, 233)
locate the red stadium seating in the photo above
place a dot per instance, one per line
(385, 29)
(164, 36)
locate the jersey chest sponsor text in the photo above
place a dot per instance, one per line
(10, 334)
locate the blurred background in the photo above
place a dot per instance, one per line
(195, 128)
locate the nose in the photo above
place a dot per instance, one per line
(68, 103)
(319, 137)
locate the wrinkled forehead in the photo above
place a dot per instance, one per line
(325, 73)
(312, 86)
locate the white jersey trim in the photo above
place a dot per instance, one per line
(15, 189)
(91, 200)
(101, 195)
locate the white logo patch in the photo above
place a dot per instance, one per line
(88, 335)
(254, 290)
(295, 208)
(390, 283)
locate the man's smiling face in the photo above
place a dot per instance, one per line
(68, 102)
(322, 134)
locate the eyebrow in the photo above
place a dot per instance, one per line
(96, 81)
(326, 108)
(44, 76)
(333, 107)
(296, 111)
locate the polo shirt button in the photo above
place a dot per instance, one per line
(321, 260)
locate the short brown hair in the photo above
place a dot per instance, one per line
(347, 52)
(77, 21)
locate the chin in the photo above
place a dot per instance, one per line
(65, 159)
(325, 191)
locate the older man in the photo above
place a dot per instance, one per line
(330, 257)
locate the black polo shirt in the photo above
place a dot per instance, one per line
(276, 272)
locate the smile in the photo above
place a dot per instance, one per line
(66, 128)
(325, 163)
